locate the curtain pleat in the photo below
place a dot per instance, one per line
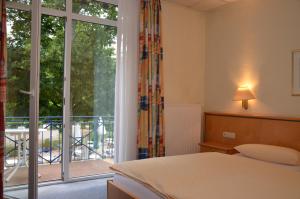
(2, 88)
(151, 133)
(126, 81)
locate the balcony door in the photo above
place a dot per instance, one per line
(34, 108)
(93, 59)
(22, 107)
(61, 86)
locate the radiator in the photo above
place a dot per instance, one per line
(183, 128)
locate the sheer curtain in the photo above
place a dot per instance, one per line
(127, 81)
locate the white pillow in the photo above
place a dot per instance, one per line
(270, 153)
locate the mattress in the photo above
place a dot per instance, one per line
(132, 186)
(209, 175)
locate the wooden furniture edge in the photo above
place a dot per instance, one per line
(116, 192)
(291, 119)
(217, 145)
(225, 148)
(265, 129)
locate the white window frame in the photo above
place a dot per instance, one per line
(35, 66)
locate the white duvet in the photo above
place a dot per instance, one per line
(213, 176)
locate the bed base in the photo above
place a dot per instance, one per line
(116, 192)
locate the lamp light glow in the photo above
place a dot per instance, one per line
(244, 94)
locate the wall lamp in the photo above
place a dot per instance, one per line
(243, 94)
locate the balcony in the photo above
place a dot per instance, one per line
(91, 147)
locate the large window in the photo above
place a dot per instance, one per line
(77, 85)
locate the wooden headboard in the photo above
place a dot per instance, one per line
(252, 129)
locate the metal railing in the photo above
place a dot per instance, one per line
(91, 139)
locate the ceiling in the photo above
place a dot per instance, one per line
(202, 5)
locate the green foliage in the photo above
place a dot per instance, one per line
(19, 48)
(92, 68)
(95, 8)
(94, 65)
(52, 66)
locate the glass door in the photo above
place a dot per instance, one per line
(17, 105)
(61, 86)
(22, 122)
(92, 88)
(48, 62)
(92, 100)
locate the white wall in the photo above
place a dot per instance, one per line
(184, 59)
(250, 42)
(207, 56)
(183, 32)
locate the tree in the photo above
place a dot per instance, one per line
(93, 61)
(18, 50)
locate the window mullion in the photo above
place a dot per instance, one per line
(67, 87)
(53, 12)
(114, 2)
(92, 19)
(34, 100)
(18, 6)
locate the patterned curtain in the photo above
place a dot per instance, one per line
(2, 88)
(151, 133)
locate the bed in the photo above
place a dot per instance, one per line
(215, 175)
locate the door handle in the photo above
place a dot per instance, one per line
(27, 92)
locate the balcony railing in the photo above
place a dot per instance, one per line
(91, 139)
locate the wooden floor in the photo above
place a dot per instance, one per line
(53, 172)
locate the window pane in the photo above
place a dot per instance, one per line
(55, 4)
(52, 65)
(18, 50)
(17, 106)
(21, 1)
(51, 97)
(92, 96)
(95, 8)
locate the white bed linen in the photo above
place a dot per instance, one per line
(132, 186)
(213, 176)
(141, 191)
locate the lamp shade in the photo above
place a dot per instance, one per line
(243, 93)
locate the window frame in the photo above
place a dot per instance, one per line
(64, 13)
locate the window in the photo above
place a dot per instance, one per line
(77, 82)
